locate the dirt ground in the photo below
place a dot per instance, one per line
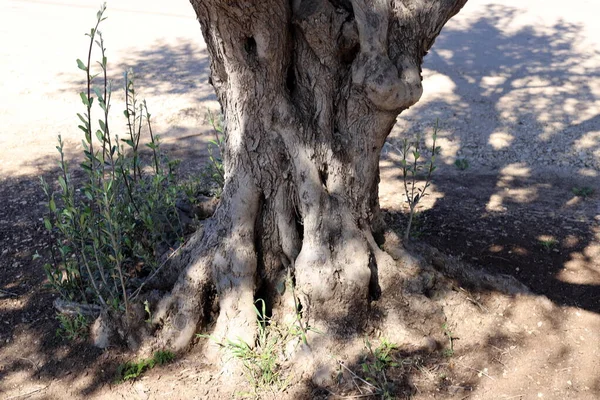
(512, 84)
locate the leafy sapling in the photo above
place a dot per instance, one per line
(412, 171)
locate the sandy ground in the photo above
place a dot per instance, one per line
(516, 88)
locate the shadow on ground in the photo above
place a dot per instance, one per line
(511, 95)
(519, 105)
(534, 84)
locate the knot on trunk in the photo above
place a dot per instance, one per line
(384, 86)
(389, 87)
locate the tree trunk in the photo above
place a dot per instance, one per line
(309, 89)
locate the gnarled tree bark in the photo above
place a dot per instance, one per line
(309, 89)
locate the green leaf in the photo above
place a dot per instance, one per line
(128, 141)
(98, 94)
(100, 135)
(85, 121)
(84, 99)
(52, 205)
(47, 224)
(81, 65)
(102, 125)
(62, 183)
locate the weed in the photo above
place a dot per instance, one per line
(132, 370)
(583, 191)
(162, 357)
(461, 163)
(375, 365)
(449, 351)
(548, 244)
(411, 171)
(111, 228)
(72, 327)
(262, 362)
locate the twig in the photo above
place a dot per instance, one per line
(357, 396)
(357, 387)
(356, 376)
(72, 308)
(470, 298)
(31, 361)
(499, 362)
(138, 290)
(498, 257)
(6, 292)
(25, 395)
(478, 371)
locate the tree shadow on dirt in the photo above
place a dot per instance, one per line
(163, 69)
(30, 344)
(513, 93)
(501, 239)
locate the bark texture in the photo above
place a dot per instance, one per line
(309, 89)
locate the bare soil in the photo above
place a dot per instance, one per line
(508, 308)
(508, 341)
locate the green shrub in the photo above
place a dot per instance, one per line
(110, 227)
(583, 191)
(262, 362)
(132, 370)
(72, 327)
(375, 365)
(414, 169)
(461, 163)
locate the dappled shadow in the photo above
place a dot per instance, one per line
(162, 69)
(171, 69)
(30, 347)
(535, 86)
(479, 342)
(520, 105)
(526, 94)
(549, 247)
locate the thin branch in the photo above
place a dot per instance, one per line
(7, 293)
(28, 394)
(138, 290)
(356, 376)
